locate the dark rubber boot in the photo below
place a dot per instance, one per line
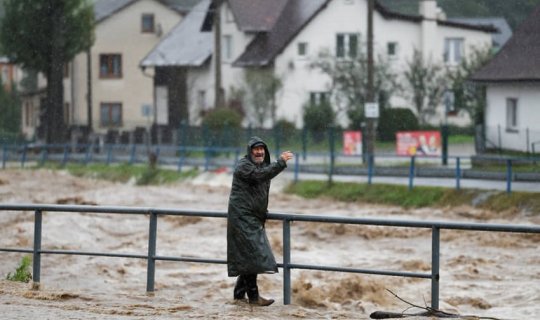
(240, 288)
(253, 292)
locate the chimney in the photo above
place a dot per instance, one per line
(428, 10)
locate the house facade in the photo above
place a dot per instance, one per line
(284, 37)
(104, 87)
(512, 79)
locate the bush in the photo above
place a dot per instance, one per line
(286, 128)
(394, 120)
(223, 125)
(22, 273)
(317, 119)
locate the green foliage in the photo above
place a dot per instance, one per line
(222, 127)
(287, 129)
(10, 111)
(31, 31)
(350, 84)
(418, 197)
(221, 118)
(394, 120)
(22, 273)
(318, 118)
(261, 89)
(43, 36)
(424, 85)
(469, 96)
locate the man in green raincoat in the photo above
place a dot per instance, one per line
(248, 249)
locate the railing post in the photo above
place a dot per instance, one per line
(89, 148)
(458, 173)
(151, 268)
(109, 154)
(509, 175)
(36, 260)
(132, 155)
(66, 153)
(435, 255)
(296, 168)
(370, 168)
(411, 173)
(23, 157)
(4, 156)
(286, 261)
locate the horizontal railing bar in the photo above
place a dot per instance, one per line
(96, 254)
(354, 270)
(280, 216)
(185, 259)
(16, 250)
(408, 223)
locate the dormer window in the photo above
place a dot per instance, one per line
(147, 23)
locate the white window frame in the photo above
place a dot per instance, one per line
(512, 114)
(395, 45)
(302, 53)
(318, 97)
(454, 50)
(201, 100)
(347, 52)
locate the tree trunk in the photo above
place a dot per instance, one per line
(56, 127)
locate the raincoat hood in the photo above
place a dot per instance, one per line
(255, 141)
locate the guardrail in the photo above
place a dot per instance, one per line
(211, 157)
(287, 265)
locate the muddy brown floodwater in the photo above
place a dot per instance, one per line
(482, 273)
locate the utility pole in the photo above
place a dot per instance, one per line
(370, 134)
(218, 90)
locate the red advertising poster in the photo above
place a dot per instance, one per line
(352, 143)
(418, 143)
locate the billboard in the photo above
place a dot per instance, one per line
(352, 143)
(418, 143)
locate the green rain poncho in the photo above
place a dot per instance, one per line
(248, 249)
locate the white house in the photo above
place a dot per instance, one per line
(105, 87)
(284, 36)
(512, 78)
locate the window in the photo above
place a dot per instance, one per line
(110, 66)
(392, 49)
(147, 23)
(453, 50)
(110, 114)
(317, 98)
(346, 45)
(511, 114)
(227, 48)
(302, 49)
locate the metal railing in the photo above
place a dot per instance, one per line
(287, 265)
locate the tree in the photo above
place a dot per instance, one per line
(470, 97)
(10, 119)
(43, 36)
(261, 88)
(348, 82)
(424, 85)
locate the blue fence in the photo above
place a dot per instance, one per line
(287, 265)
(327, 163)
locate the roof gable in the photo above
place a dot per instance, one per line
(295, 15)
(256, 15)
(186, 44)
(103, 9)
(519, 59)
